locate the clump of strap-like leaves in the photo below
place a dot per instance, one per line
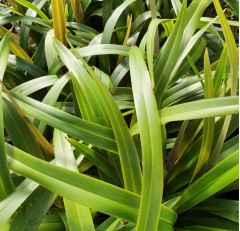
(118, 115)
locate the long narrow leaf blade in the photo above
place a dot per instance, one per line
(78, 216)
(232, 47)
(150, 134)
(90, 132)
(6, 185)
(9, 205)
(208, 123)
(77, 10)
(33, 7)
(216, 179)
(200, 109)
(34, 209)
(233, 60)
(59, 23)
(127, 151)
(77, 187)
(95, 158)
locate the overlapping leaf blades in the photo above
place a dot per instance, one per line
(137, 146)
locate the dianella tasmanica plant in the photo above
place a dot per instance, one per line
(118, 115)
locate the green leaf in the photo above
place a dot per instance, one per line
(231, 45)
(103, 49)
(127, 150)
(200, 109)
(18, 130)
(25, 28)
(108, 31)
(34, 85)
(227, 209)
(4, 53)
(208, 123)
(168, 55)
(50, 52)
(84, 88)
(189, 46)
(82, 96)
(26, 66)
(119, 72)
(15, 47)
(52, 222)
(6, 185)
(93, 86)
(96, 159)
(177, 149)
(207, 224)
(220, 72)
(92, 133)
(233, 61)
(176, 6)
(152, 29)
(229, 147)
(79, 188)
(33, 209)
(150, 135)
(52, 96)
(213, 181)
(26, 20)
(78, 216)
(33, 7)
(9, 205)
(234, 5)
(111, 221)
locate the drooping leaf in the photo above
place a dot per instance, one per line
(80, 188)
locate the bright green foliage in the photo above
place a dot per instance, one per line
(6, 186)
(118, 115)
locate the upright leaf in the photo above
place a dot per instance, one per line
(231, 45)
(168, 55)
(78, 216)
(59, 22)
(150, 135)
(77, 10)
(126, 148)
(208, 123)
(233, 61)
(25, 28)
(108, 30)
(6, 185)
(50, 53)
